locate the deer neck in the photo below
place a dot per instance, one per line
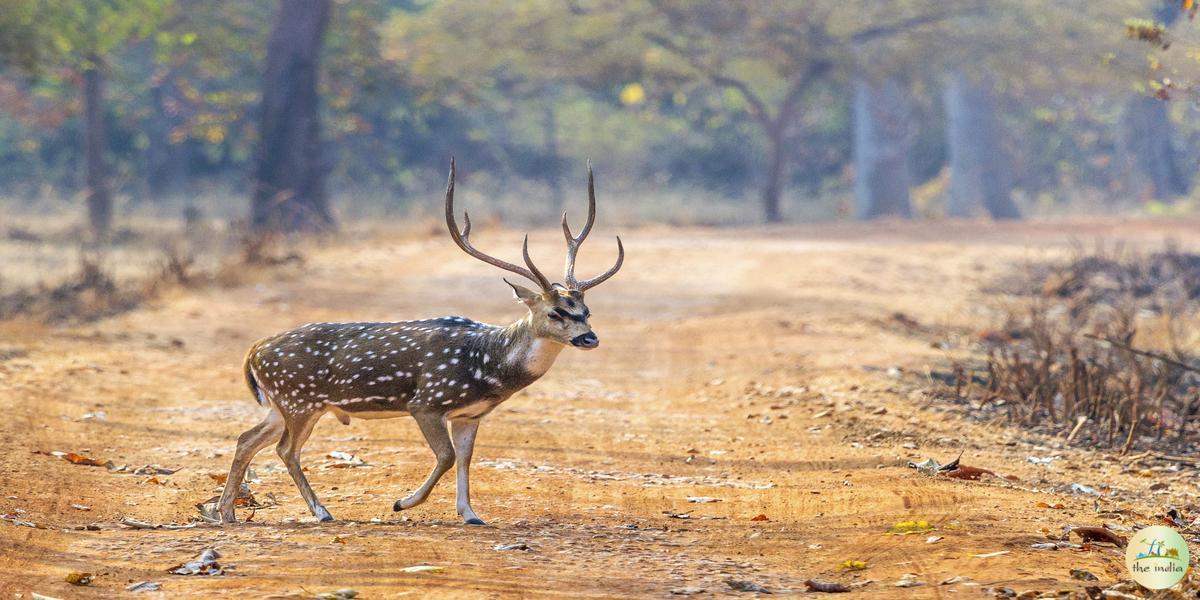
(525, 350)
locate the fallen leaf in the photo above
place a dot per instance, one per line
(760, 517)
(15, 520)
(79, 459)
(909, 580)
(154, 470)
(933, 539)
(514, 546)
(342, 594)
(345, 460)
(80, 507)
(204, 564)
(219, 477)
(144, 586)
(423, 569)
(955, 579)
(1056, 505)
(1083, 575)
(852, 565)
(133, 523)
(746, 586)
(1079, 488)
(80, 578)
(828, 587)
(702, 499)
(1098, 534)
(991, 554)
(910, 527)
(970, 473)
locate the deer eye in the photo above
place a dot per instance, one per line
(554, 317)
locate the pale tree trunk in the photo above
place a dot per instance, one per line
(1148, 151)
(289, 184)
(980, 178)
(1146, 137)
(166, 158)
(554, 170)
(99, 198)
(883, 138)
(776, 174)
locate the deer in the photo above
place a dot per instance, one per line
(447, 373)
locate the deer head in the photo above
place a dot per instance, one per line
(556, 311)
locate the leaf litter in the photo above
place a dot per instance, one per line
(204, 564)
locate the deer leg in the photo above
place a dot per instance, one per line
(433, 426)
(463, 431)
(293, 439)
(250, 443)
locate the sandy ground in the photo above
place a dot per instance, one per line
(751, 366)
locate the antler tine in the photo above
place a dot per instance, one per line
(595, 281)
(541, 279)
(462, 239)
(574, 242)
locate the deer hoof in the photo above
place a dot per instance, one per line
(475, 521)
(398, 506)
(323, 515)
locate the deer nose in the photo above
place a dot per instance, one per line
(587, 340)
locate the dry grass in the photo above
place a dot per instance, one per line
(51, 276)
(1097, 351)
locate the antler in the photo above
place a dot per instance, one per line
(462, 239)
(573, 243)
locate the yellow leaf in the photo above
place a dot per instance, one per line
(633, 94)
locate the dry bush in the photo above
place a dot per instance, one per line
(1098, 354)
(91, 293)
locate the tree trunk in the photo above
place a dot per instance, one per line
(289, 185)
(99, 199)
(979, 175)
(1148, 150)
(554, 170)
(776, 170)
(166, 158)
(883, 138)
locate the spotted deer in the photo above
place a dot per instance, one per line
(447, 373)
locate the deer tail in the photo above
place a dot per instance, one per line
(251, 382)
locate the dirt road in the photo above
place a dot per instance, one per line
(764, 368)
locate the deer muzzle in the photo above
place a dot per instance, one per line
(587, 340)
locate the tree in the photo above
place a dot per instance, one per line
(289, 184)
(773, 56)
(979, 172)
(1146, 131)
(80, 36)
(516, 66)
(883, 135)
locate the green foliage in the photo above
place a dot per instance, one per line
(679, 91)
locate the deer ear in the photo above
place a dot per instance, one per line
(524, 294)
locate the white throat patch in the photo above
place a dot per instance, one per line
(536, 357)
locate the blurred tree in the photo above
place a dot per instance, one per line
(980, 177)
(79, 37)
(772, 57)
(883, 136)
(1146, 130)
(518, 61)
(289, 180)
